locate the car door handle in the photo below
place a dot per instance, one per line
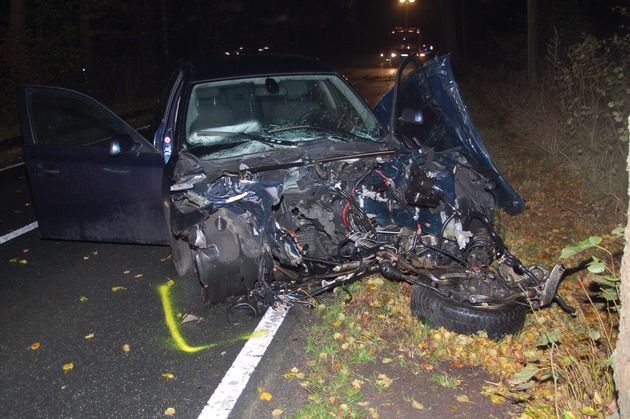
(116, 171)
(46, 170)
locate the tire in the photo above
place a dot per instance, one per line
(437, 311)
(182, 257)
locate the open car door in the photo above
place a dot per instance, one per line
(425, 109)
(92, 176)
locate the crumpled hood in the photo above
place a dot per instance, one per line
(460, 129)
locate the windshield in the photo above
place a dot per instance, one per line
(237, 117)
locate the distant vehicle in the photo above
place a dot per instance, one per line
(427, 52)
(404, 42)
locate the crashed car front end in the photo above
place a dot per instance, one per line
(326, 197)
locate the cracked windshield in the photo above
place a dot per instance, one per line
(228, 119)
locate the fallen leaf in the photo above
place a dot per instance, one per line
(187, 318)
(417, 405)
(138, 276)
(34, 346)
(463, 398)
(263, 394)
(90, 336)
(524, 375)
(277, 412)
(384, 380)
(86, 257)
(376, 280)
(497, 399)
(126, 347)
(168, 376)
(68, 367)
(457, 364)
(114, 289)
(83, 299)
(427, 367)
(24, 250)
(170, 282)
(386, 360)
(356, 384)
(169, 411)
(22, 262)
(127, 272)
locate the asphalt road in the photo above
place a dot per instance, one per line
(98, 307)
(56, 295)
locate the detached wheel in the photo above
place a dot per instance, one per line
(436, 310)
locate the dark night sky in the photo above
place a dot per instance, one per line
(130, 39)
(352, 25)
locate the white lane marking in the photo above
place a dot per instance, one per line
(18, 232)
(224, 397)
(11, 167)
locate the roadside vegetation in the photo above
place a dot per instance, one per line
(563, 145)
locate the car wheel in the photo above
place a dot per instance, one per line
(437, 310)
(229, 264)
(182, 257)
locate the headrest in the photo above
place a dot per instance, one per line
(262, 91)
(295, 88)
(208, 92)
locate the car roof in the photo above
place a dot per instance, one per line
(248, 65)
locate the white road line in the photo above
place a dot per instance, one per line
(224, 397)
(18, 232)
(11, 167)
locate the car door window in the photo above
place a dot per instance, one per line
(66, 119)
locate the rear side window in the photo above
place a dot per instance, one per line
(67, 120)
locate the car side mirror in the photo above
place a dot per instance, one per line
(412, 116)
(121, 145)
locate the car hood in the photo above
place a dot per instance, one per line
(459, 127)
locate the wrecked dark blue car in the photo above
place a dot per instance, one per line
(270, 178)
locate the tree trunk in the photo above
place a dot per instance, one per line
(621, 362)
(16, 25)
(85, 41)
(164, 26)
(532, 42)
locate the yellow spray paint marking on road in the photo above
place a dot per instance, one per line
(173, 325)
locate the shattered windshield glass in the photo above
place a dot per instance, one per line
(239, 117)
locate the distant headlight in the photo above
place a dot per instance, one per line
(393, 55)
